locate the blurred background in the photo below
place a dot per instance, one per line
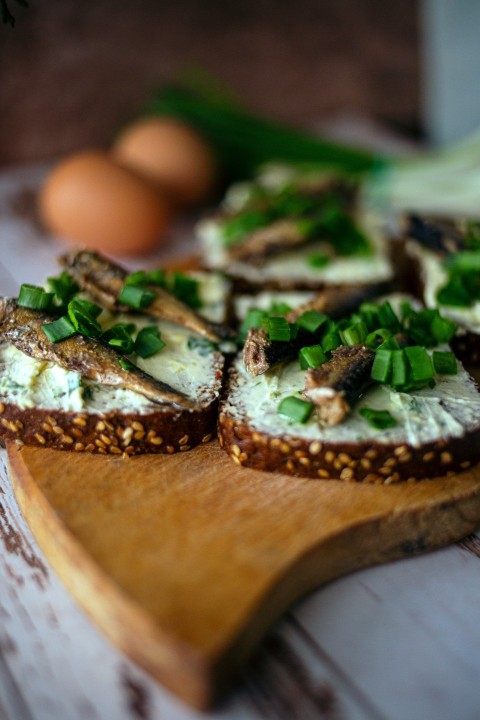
(72, 72)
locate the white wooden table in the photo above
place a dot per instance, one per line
(397, 642)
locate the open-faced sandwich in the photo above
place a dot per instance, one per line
(111, 362)
(295, 228)
(350, 388)
(445, 257)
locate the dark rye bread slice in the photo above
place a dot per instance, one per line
(255, 436)
(106, 420)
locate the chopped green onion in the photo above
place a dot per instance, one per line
(202, 345)
(139, 278)
(126, 364)
(331, 341)
(311, 320)
(369, 312)
(443, 329)
(239, 226)
(444, 362)
(377, 337)
(379, 419)
(382, 366)
(136, 297)
(399, 368)
(120, 337)
(64, 287)
(387, 317)
(455, 292)
(295, 409)
(148, 342)
(354, 334)
(253, 319)
(278, 329)
(390, 343)
(279, 308)
(83, 316)
(185, 289)
(35, 298)
(466, 261)
(318, 260)
(421, 363)
(60, 329)
(311, 357)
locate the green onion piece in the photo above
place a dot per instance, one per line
(331, 341)
(185, 289)
(318, 260)
(466, 261)
(279, 308)
(203, 346)
(126, 364)
(295, 409)
(83, 316)
(421, 363)
(382, 366)
(278, 329)
(399, 368)
(443, 329)
(455, 292)
(136, 297)
(311, 320)
(60, 329)
(354, 334)
(157, 277)
(387, 317)
(35, 298)
(445, 362)
(239, 226)
(377, 337)
(148, 342)
(405, 309)
(253, 319)
(311, 357)
(120, 337)
(139, 278)
(390, 343)
(63, 287)
(379, 419)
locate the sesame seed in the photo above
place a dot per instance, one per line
(183, 440)
(206, 438)
(466, 464)
(300, 454)
(235, 450)
(67, 439)
(346, 474)
(184, 447)
(385, 471)
(405, 457)
(243, 457)
(2, 408)
(101, 451)
(114, 450)
(90, 447)
(285, 448)
(109, 426)
(337, 464)
(19, 424)
(76, 432)
(344, 458)
(365, 463)
(5, 423)
(329, 456)
(256, 437)
(137, 426)
(220, 440)
(304, 461)
(79, 421)
(315, 447)
(170, 449)
(400, 450)
(57, 430)
(129, 450)
(51, 420)
(99, 443)
(323, 473)
(235, 459)
(428, 456)
(104, 438)
(446, 457)
(390, 462)
(47, 427)
(275, 442)
(151, 434)
(100, 426)
(372, 454)
(79, 447)
(127, 433)
(290, 466)
(139, 435)
(40, 438)
(157, 440)
(372, 478)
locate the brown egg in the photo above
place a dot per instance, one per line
(90, 200)
(170, 153)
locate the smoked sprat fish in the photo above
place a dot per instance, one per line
(104, 281)
(261, 354)
(95, 361)
(336, 385)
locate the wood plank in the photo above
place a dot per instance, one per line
(186, 560)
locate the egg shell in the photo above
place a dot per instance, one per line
(90, 200)
(170, 153)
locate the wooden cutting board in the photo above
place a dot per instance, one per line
(186, 560)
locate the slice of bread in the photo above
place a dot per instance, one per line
(437, 430)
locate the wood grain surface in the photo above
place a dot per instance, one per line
(185, 561)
